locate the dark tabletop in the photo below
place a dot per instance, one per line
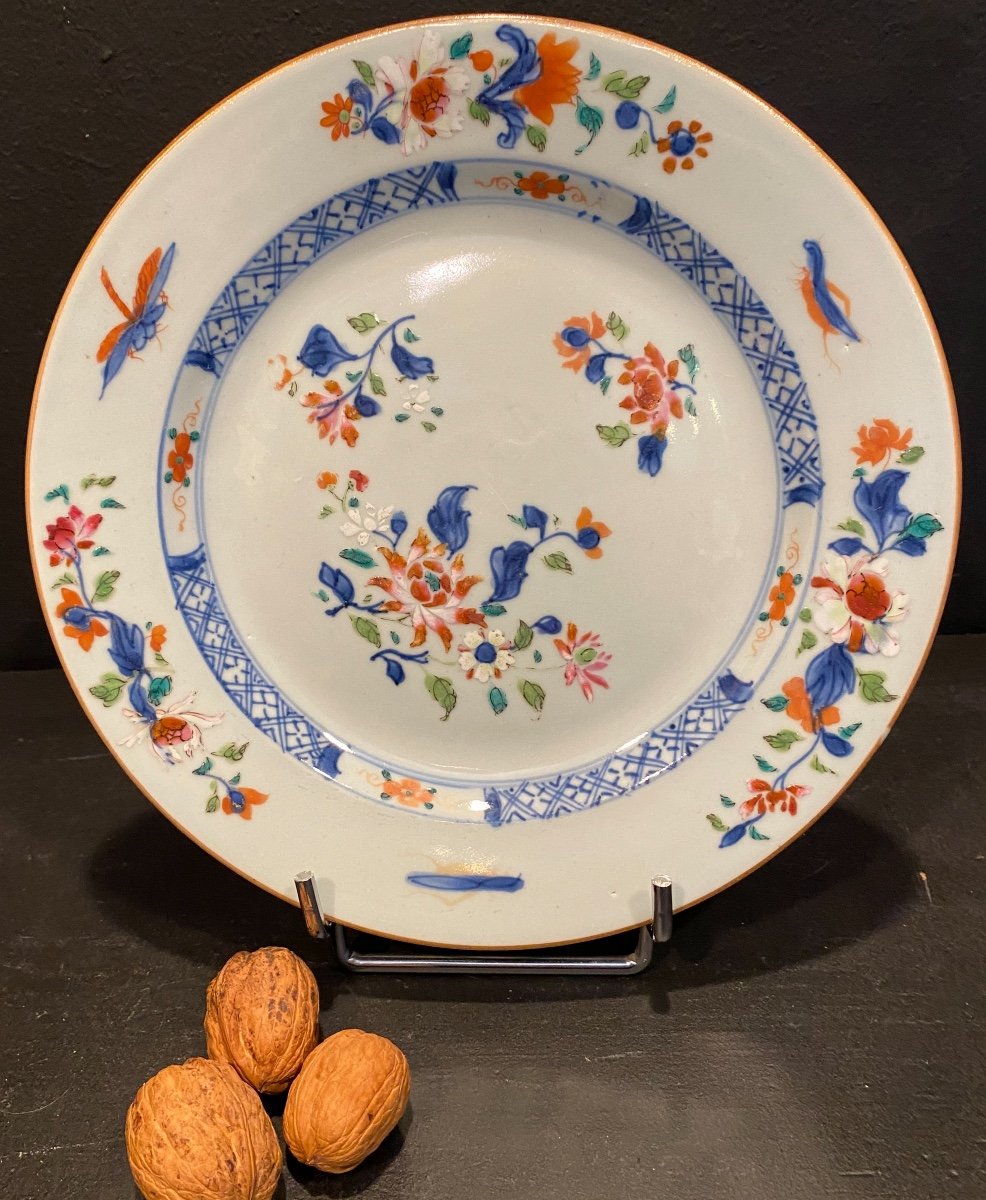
(816, 1031)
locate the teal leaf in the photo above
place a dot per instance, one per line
(604, 383)
(461, 46)
(354, 376)
(756, 834)
(667, 103)
(61, 490)
(922, 526)
(763, 764)
(235, 780)
(158, 688)
(204, 767)
(401, 417)
(858, 472)
(595, 66)
(492, 610)
(109, 502)
(537, 656)
(775, 703)
(359, 557)
(498, 701)
(410, 336)
(518, 521)
(395, 637)
(848, 730)
(726, 802)
(100, 551)
(589, 118)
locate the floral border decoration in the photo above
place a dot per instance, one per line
(411, 101)
(855, 614)
(172, 729)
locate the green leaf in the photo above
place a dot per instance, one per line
(537, 137)
(717, 823)
(212, 804)
(921, 526)
(61, 490)
(293, 388)
(364, 322)
(99, 481)
(443, 693)
(204, 766)
(911, 455)
(109, 502)
(518, 521)
(871, 687)
(410, 336)
(585, 655)
(105, 585)
(461, 46)
(430, 426)
(99, 551)
(367, 629)
(158, 688)
(639, 147)
(492, 610)
(617, 326)
(816, 764)
(232, 751)
(627, 89)
(667, 103)
(479, 112)
(726, 802)
(808, 641)
(160, 659)
(805, 614)
(851, 525)
(524, 636)
(533, 693)
(498, 700)
(763, 764)
(327, 511)
(848, 730)
(783, 740)
(756, 834)
(595, 66)
(64, 580)
(614, 435)
(775, 703)
(589, 118)
(558, 561)
(359, 557)
(366, 73)
(108, 689)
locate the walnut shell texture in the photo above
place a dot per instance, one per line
(261, 1015)
(352, 1091)
(198, 1132)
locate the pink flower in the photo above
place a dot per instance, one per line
(430, 587)
(71, 533)
(175, 732)
(764, 798)
(854, 606)
(585, 660)
(360, 481)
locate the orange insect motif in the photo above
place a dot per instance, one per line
(142, 316)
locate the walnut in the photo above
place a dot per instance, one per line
(198, 1132)
(351, 1092)
(261, 1015)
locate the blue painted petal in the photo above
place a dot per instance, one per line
(360, 94)
(535, 518)
(395, 672)
(77, 617)
(804, 493)
(912, 546)
(139, 701)
(204, 359)
(836, 746)
(650, 453)
(847, 546)
(641, 216)
(879, 503)
(323, 352)
(547, 624)
(328, 760)
(595, 368)
(126, 646)
(411, 365)
(508, 567)
(494, 807)
(575, 336)
(446, 176)
(829, 677)
(365, 405)
(118, 356)
(448, 519)
(735, 689)
(737, 833)
(337, 581)
(385, 130)
(628, 114)
(398, 523)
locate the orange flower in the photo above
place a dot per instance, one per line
(799, 707)
(877, 441)
(79, 624)
(481, 60)
(577, 357)
(280, 371)
(180, 459)
(766, 799)
(557, 83)
(781, 596)
(338, 115)
(408, 792)
(241, 799)
(589, 533)
(326, 480)
(541, 185)
(681, 143)
(159, 635)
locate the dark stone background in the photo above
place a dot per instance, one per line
(93, 89)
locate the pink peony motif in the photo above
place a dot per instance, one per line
(854, 606)
(585, 660)
(69, 534)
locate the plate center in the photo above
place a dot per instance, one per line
(558, 411)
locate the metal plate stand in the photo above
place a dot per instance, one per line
(342, 948)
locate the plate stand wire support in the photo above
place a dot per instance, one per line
(344, 954)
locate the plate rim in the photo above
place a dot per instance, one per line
(561, 24)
